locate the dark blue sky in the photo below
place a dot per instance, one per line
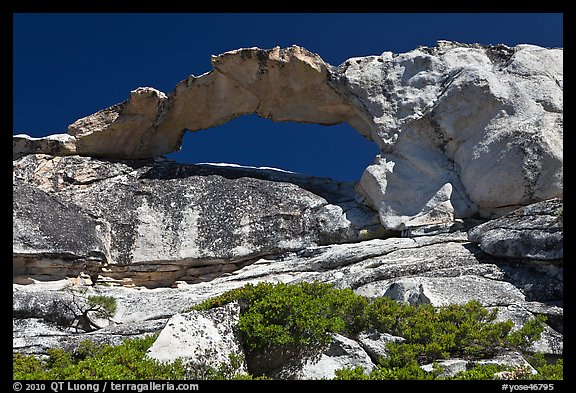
(67, 66)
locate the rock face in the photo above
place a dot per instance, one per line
(463, 202)
(535, 231)
(123, 130)
(52, 234)
(374, 343)
(372, 268)
(463, 129)
(56, 145)
(205, 338)
(343, 352)
(155, 222)
(447, 268)
(452, 367)
(442, 291)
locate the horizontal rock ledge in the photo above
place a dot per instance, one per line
(156, 222)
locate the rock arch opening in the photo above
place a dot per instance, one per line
(437, 155)
(338, 151)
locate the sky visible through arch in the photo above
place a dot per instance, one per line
(67, 66)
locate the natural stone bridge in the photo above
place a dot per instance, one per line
(463, 129)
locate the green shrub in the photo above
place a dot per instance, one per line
(546, 370)
(481, 372)
(281, 318)
(225, 371)
(94, 362)
(127, 361)
(227, 297)
(466, 331)
(351, 374)
(408, 372)
(303, 314)
(103, 306)
(522, 338)
(26, 366)
(281, 321)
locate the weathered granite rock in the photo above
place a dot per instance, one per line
(45, 305)
(156, 222)
(204, 338)
(463, 129)
(442, 291)
(43, 224)
(35, 335)
(554, 314)
(52, 237)
(449, 268)
(289, 84)
(511, 359)
(452, 367)
(369, 267)
(123, 130)
(56, 145)
(374, 343)
(342, 352)
(551, 342)
(534, 231)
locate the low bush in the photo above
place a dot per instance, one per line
(300, 314)
(96, 362)
(281, 321)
